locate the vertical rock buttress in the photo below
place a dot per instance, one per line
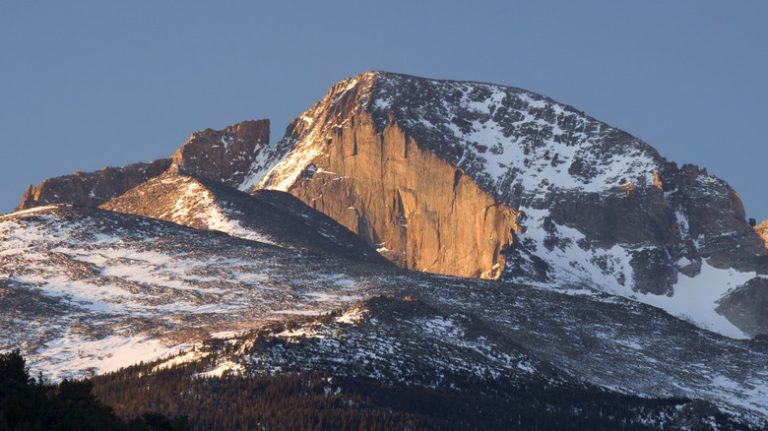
(418, 210)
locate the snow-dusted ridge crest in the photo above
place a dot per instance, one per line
(470, 124)
(265, 216)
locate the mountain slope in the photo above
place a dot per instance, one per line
(92, 290)
(87, 290)
(482, 180)
(267, 216)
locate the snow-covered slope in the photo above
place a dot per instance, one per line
(87, 290)
(596, 206)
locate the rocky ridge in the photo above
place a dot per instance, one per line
(223, 155)
(92, 188)
(220, 155)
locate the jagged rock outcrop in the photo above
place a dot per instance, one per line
(224, 155)
(91, 188)
(267, 216)
(746, 306)
(526, 188)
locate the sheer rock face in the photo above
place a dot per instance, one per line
(557, 197)
(267, 216)
(418, 210)
(224, 155)
(91, 188)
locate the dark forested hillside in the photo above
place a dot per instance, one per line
(29, 404)
(314, 402)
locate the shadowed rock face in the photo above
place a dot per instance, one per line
(223, 155)
(746, 306)
(91, 188)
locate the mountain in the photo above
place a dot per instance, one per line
(436, 254)
(482, 180)
(224, 155)
(762, 230)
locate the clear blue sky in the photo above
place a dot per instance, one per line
(84, 84)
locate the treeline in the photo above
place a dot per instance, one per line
(313, 402)
(28, 404)
(301, 401)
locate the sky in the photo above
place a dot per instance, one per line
(86, 84)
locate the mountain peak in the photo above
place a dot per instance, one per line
(223, 155)
(426, 170)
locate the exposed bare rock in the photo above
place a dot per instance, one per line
(267, 216)
(224, 155)
(762, 230)
(746, 306)
(91, 188)
(420, 211)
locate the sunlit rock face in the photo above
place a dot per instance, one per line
(91, 188)
(762, 230)
(482, 180)
(223, 155)
(419, 210)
